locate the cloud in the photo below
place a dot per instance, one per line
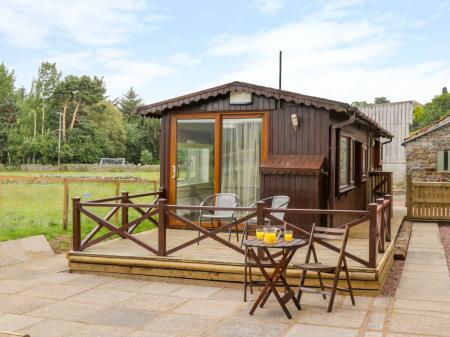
(326, 55)
(269, 7)
(32, 24)
(183, 59)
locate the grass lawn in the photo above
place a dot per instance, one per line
(31, 209)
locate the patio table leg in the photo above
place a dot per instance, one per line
(270, 286)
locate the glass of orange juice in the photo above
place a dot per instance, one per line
(288, 235)
(271, 235)
(260, 233)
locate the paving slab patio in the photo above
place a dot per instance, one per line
(55, 303)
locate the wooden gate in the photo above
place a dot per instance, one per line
(428, 200)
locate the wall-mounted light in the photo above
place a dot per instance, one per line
(294, 120)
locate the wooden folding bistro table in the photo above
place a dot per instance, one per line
(288, 249)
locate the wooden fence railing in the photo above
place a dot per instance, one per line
(379, 185)
(67, 181)
(377, 215)
(427, 200)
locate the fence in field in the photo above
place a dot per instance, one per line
(66, 181)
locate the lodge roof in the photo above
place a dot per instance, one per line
(304, 164)
(429, 128)
(159, 108)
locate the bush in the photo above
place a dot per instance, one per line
(146, 157)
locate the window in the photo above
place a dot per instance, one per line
(346, 172)
(360, 162)
(443, 160)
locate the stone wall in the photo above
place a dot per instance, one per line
(91, 168)
(421, 155)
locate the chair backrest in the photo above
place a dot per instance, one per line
(279, 201)
(225, 200)
(320, 234)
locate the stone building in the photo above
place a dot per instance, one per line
(428, 152)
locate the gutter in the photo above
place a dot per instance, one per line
(332, 170)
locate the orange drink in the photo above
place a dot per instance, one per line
(270, 238)
(260, 233)
(288, 235)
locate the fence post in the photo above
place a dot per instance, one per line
(162, 226)
(125, 210)
(76, 224)
(391, 209)
(66, 204)
(409, 193)
(382, 233)
(162, 192)
(373, 234)
(116, 194)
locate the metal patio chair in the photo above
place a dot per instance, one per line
(319, 234)
(277, 201)
(220, 200)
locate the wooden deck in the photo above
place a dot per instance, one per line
(214, 262)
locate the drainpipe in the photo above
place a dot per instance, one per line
(382, 150)
(332, 170)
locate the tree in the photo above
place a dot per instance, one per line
(359, 103)
(7, 80)
(381, 100)
(146, 157)
(44, 87)
(432, 111)
(129, 103)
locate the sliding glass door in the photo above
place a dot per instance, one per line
(241, 157)
(213, 154)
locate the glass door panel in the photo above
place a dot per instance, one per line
(241, 157)
(194, 166)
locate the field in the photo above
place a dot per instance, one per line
(29, 209)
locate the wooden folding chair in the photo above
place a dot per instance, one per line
(320, 235)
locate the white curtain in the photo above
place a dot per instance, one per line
(241, 156)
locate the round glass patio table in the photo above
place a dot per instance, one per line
(287, 252)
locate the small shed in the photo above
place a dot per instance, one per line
(256, 142)
(428, 152)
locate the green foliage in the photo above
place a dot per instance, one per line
(91, 126)
(432, 111)
(359, 103)
(381, 100)
(146, 157)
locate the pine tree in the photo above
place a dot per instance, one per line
(129, 103)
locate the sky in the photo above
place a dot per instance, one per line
(346, 50)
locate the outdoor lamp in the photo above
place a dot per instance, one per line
(294, 120)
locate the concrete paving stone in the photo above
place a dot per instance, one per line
(52, 328)
(160, 288)
(271, 312)
(59, 277)
(423, 294)
(121, 317)
(421, 305)
(419, 324)
(66, 310)
(381, 302)
(317, 300)
(301, 330)
(443, 275)
(90, 281)
(13, 323)
(248, 328)
(148, 333)
(376, 321)
(54, 291)
(361, 302)
(181, 324)
(373, 334)
(15, 286)
(18, 304)
(424, 255)
(100, 331)
(208, 308)
(417, 284)
(200, 292)
(124, 284)
(339, 317)
(102, 296)
(424, 268)
(405, 335)
(227, 294)
(154, 302)
(422, 312)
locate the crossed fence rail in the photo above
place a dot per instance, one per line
(159, 212)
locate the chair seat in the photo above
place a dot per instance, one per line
(315, 267)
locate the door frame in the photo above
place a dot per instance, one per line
(218, 117)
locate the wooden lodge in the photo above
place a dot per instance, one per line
(255, 142)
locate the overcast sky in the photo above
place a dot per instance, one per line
(344, 50)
